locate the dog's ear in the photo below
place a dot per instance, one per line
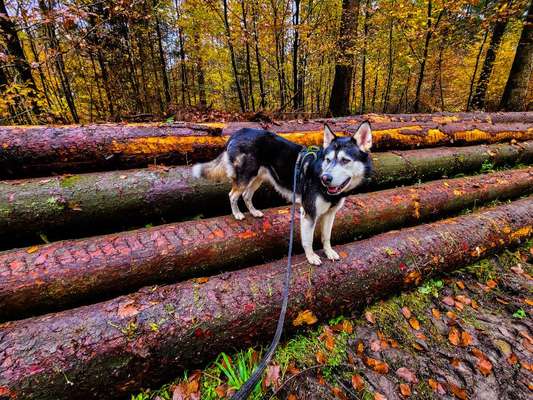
(329, 136)
(363, 136)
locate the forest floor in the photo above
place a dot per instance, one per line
(466, 335)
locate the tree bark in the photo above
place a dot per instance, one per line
(232, 56)
(65, 274)
(339, 102)
(258, 58)
(362, 110)
(478, 99)
(162, 61)
(88, 204)
(429, 32)
(247, 49)
(108, 349)
(38, 151)
(515, 93)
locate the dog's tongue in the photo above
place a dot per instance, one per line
(333, 189)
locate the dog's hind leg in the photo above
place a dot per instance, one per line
(248, 194)
(327, 225)
(234, 195)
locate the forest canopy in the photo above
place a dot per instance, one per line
(64, 61)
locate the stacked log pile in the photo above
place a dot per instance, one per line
(66, 334)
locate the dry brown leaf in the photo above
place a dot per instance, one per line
(407, 375)
(370, 317)
(458, 392)
(466, 339)
(460, 285)
(418, 347)
(406, 312)
(529, 302)
(463, 299)
(329, 339)
(201, 280)
(358, 383)
(405, 389)
(455, 362)
(512, 359)
(360, 348)
(448, 300)
(484, 366)
(491, 283)
(379, 396)
(435, 313)
(271, 377)
(32, 249)
(378, 366)
(414, 323)
(337, 391)
(305, 317)
(292, 396)
(221, 390)
(413, 277)
(474, 305)
(344, 326)
(320, 357)
(460, 306)
(451, 315)
(433, 384)
(453, 336)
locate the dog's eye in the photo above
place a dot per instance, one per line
(345, 161)
(328, 160)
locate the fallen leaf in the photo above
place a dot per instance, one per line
(337, 391)
(32, 249)
(460, 285)
(201, 280)
(526, 365)
(455, 362)
(370, 317)
(484, 366)
(328, 338)
(221, 390)
(292, 369)
(448, 300)
(458, 392)
(292, 396)
(529, 302)
(474, 305)
(271, 378)
(460, 306)
(360, 348)
(435, 313)
(407, 375)
(413, 277)
(320, 357)
(466, 339)
(414, 323)
(453, 336)
(405, 389)
(305, 317)
(463, 299)
(180, 392)
(512, 359)
(379, 396)
(358, 383)
(378, 366)
(344, 326)
(451, 315)
(406, 312)
(491, 283)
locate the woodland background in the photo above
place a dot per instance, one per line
(64, 61)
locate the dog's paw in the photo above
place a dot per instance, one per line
(239, 216)
(256, 213)
(314, 259)
(331, 254)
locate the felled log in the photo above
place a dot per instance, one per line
(70, 206)
(105, 350)
(42, 150)
(63, 274)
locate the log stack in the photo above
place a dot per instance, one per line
(66, 334)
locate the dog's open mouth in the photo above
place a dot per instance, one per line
(338, 189)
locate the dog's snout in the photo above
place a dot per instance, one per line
(327, 179)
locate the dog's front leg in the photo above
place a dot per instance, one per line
(307, 231)
(327, 225)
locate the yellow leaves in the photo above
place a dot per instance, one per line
(435, 313)
(343, 326)
(328, 338)
(414, 323)
(378, 366)
(453, 336)
(201, 280)
(305, 317)
(32, 249)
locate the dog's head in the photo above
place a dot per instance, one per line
(346, 160)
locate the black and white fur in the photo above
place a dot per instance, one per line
(253, 156)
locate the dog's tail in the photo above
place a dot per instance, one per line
(215, 170)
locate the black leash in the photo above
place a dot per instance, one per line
(249, 385)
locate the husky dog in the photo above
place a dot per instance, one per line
(253, 156)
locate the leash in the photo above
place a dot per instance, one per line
(249, 385)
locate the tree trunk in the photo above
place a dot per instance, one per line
(232, 56)
(363, 66)
(200, 72)
(247, 48)
(478, 99)
(263, 103)
(297, 99)
(61, 278)
(339, 102)
(416, 106)
(38, 151)
(108, 349)
(14, 48)
(162, 61)
(516, 89)
(390, 69)
(88, 204)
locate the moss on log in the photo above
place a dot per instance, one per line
(107, 349)
(41, 150)
(87, 204)
(63, 274)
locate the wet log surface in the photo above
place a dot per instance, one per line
(50, 277)
(43, 150)
(108, 349)
(73, 206)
